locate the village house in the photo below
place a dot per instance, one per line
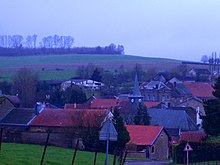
(199, 75)
(156, 91)
(148, 142)
(196, 104)
(179, 91)
(85, 83)
(8, 103)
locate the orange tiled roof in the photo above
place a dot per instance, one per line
(151, 104)
(143, 135)
(192, 136)
(103, 103)
(199, 89)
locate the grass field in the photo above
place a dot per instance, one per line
(27, 154)
(63, 66)
(7, 61)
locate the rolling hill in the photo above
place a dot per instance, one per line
(63, 66)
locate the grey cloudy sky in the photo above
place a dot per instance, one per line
(179, 29)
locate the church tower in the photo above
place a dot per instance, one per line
(134, 100)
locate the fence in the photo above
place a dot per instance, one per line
(61, 138)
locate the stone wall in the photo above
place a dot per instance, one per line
(161, 149)
(55, 139)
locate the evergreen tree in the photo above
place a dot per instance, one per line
(123, 135)
(216, 87)
(96, 76)
(211, 121)
(74, 94)
(142, 117)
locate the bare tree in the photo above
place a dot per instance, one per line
(24, 85)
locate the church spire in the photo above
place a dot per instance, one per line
(136, 90)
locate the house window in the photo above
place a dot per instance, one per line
(153, 98)
(152, 149)
(148, 97)
(163, 98)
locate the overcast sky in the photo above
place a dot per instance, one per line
(179, 29)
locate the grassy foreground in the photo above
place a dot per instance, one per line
(28, 154)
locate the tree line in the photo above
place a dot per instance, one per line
(18, 45)
(212, 59)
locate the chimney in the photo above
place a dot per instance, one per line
(74, 105)
(180, 132)
(37, 108)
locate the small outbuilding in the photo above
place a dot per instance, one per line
(148, 141)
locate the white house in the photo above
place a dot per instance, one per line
(86, 83)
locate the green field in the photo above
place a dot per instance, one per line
(63, 66)
(27, 154)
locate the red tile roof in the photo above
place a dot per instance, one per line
(124, 106)
(103, 103)
(62, 117)
(143, 135)
(151, 104)
(199, 89)
(192, 136)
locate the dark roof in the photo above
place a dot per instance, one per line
(173, 131)
(171, 119)
(160, 77)
(19, 116)
(189, 110)
(156, 85)
(182, 90)
(12, 98)
(202, 71)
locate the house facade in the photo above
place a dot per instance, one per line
(156, 91)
